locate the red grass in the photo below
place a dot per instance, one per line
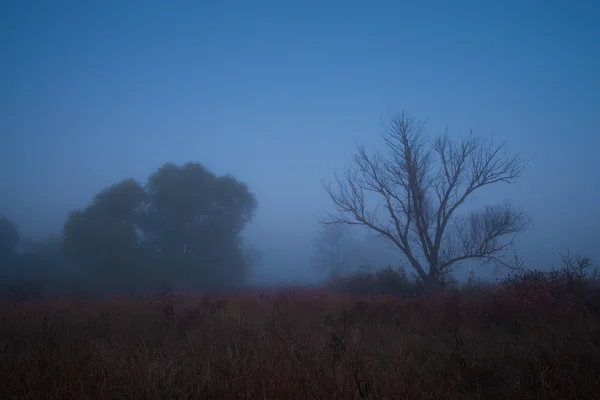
(303, 344)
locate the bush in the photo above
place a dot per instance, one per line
(386, 281)
(302, 344)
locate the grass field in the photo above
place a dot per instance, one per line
(523, 342)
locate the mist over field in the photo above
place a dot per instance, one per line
(299, 200)
(279, 96)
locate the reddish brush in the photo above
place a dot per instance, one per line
(305, 343)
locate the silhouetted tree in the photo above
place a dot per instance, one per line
(195, 220)
(104, 236)
(333, 250)
(184, 226)
(24, 264)
(9, 238)
(420, 185)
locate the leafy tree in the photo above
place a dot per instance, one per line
(120, 202)
(26, 271)
(184, 225)
(104, 236)
(196, 220)
(9, 238)
(420, 185)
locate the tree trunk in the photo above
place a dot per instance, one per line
(432, 281)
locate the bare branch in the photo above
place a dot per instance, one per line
(420, 185)
(333, 250)
(478, 234)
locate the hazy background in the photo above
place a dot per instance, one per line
(279, 93)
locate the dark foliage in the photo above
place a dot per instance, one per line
(182, 228)
(9, 238)
(299, 343)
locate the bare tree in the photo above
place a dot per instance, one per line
(420, 184)
(333, 250)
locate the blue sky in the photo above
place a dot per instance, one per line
(279, 93)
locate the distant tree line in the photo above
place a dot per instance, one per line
(183, 226)
(182, 229)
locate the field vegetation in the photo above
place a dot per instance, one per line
(532, 335)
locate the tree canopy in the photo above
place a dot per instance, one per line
(184, 227)
(9, 237)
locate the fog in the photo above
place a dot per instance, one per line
(280, 95)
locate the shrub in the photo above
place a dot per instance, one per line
(386, 281)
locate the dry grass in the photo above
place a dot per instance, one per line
(303, 345)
